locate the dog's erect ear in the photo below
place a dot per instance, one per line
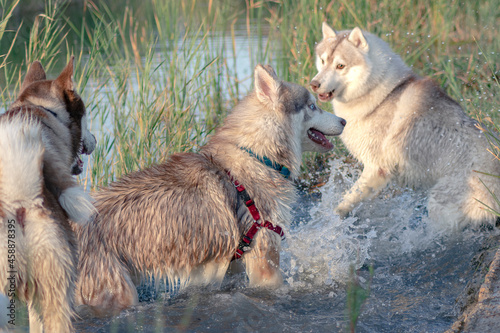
(65, 79)
(356, 37)
(270, 70)
(35, 73)
(266, 84)
(328, 32)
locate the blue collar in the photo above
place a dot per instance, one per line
(283, 170)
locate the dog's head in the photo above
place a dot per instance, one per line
(343, 64)
(59, 98)
(307, 122)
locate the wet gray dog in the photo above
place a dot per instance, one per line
(183, 220)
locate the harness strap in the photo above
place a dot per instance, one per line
(248, 237)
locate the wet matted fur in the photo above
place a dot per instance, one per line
(41, 135)
(182, 220)
(402, 126)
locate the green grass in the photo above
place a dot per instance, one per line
(162, 79)
(356, 296)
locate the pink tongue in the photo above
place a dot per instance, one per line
(80, 163)
(320, 138)
(325, 97)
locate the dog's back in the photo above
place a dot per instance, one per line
(149, 222)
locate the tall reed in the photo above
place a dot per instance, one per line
(157, 78)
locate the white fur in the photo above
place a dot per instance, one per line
(21, 161)
(41, 257)
(78, 204)
(401, 126)
(21, 182)
(211, 273)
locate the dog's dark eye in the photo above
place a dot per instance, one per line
(340, 66)
(312, 107)
(322, 61)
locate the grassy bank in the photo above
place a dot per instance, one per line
(158, 78)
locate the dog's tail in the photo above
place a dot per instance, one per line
(21, 163)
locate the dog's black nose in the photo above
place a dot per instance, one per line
(315, 85)
(343, 122)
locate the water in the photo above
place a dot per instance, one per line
(418, 274)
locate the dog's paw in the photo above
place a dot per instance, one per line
(77, 204)
(343, 210)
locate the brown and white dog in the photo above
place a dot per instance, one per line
(183, 220)
(41, 136)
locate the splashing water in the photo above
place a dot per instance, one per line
(418, 274)
(321, 250)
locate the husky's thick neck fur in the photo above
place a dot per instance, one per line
(257, 123)
(283, 170)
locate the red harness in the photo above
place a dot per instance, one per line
(247, 238)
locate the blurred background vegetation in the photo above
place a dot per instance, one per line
(158, 76)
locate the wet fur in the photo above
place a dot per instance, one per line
(182, 220)
(37, 154)
(402, 126)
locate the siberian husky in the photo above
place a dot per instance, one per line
(402, 126)
(184, 220)
(41, 135)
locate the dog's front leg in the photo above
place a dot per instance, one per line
(371, 182)
(263, 261)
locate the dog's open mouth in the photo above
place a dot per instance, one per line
(77, 167)
(78, 163)
(319, 138)
(326, 97)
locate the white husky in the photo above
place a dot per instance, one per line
(405, 127)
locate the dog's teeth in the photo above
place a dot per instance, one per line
(313, 135)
